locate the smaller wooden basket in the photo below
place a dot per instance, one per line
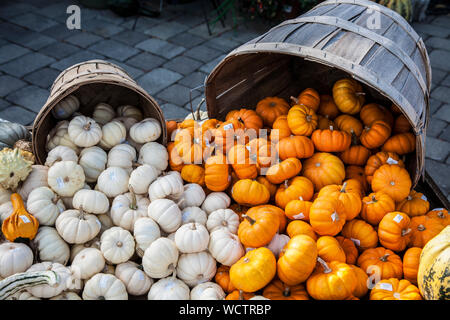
(93, 82)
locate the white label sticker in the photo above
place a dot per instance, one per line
(228, 126)
(391, 161)
(299, 216)
(334, 216)
(424, 198)
(438, 209)
(60, 182)
(398, 218)
(25, 219)
(385, 286)
(356, 241)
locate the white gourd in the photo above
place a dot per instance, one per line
(130, 111)
(51, 246)
(130, 151)
(166, 213)
(113, 181)
(120, 158)
(117, 245)
(93, 161)
(195, 268)
(127, 208)
(169, 288)
(76, 226)
(65, 280)
(135, 279)
(142, 177)
(145, 231)
(207, 291)
(155, 154)
(14, 258)
(45, 205)
(91, 201)
(103, 113)
(193, 214)
(223, 218)
(215, 201)
(225, 246)
(38, 177)
(87, 263)
(170, 184)
(160, 258)
(113, 133)
(66, 178)
(76, 248)
(68, 201)
(147, 130)
(104, 287)
(66, 107)
(84, 131)
(192, 237)
(192, 196)
(128, 122)
(60, 153)
(277, 243)
(60, 137)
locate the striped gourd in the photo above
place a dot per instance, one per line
(402, 7)
(433, 276)
(23, 280)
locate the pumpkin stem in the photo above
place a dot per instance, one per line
(331, 128)
(360, 93)
(135, 164)
(133, 205)
(287, 292)
(193, 226)
(441, 214)
(385, 257)
(241, 295)
(421, 227)
(344, 186)
(409, 198)
(252, 221)
(405, 232)
(87, 126)
(286, 183)
(324, 265)
(300, 198)
(294, 100)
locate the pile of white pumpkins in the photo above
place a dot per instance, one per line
(113, 223)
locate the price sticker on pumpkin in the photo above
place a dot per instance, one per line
(228, 126)
(356, 241)
(25, 219)
(438, 209)
(299, 216)
(385, 286)
(398, 218)
(60, 182)
(391, 161)
(334, 216)
(424, 198)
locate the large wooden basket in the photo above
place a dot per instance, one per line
(331, 41)
(92, 82)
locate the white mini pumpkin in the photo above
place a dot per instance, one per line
(103, 113)
(66, 178)
(76, 248)
(225, 246)
(142, 177)
(45, 205)
(59, 136)
(192, 237)
(14, 258)
(223, 218)
(155, 154)
(207, 291)
(22, 295)
(166, 213)
(51, 246)
(93, 161)
(130, 151)
(113, 181)
(91, 201)
(192, 196)
(84, 131)
(104, 287)
(113, 133)
(169, 288)
(37, 178)
(66, 107)
(146, 130)
(128, 122)
(135, 279)
(6, 209)
(65, 280)
(215, 201)
(67, 295)
(60, 153)
(195, 268)
(170, 184)
(130, 111)
(117, 245)
(160, 258)
(87, 263)
(127, 208)
(76, 226)
(145, 231)
(193, 214)
(277, 243)
(68, 201)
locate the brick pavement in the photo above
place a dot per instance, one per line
(168, 56)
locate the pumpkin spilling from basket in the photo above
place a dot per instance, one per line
(306, 199)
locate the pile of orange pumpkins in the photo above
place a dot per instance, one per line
(326, 206)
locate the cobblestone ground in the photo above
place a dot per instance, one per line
(168, 56)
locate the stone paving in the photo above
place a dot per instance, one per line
(168, 56)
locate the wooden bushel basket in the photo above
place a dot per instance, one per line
(331, 41)
(93, 82)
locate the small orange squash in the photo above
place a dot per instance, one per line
(348, 95)
(400, 143)
(331, 140)
(249, 192)
(295, 147)
(382, 261)
(329, 249)
(294, 189)
(20, 224)
(258, 227)
(222, 278)
(297, 227)
(349, 124)
(394, 231)
(308, 97)
(193, 173)
(361, 233)
(302, 120)
(393, 180)
(411, 260)
(327, 216)
(375, 135)
(327, 107)
(423, 229)
(324, 168)
(351, 252)
(375, 206)
(395, 289)
(284, 170)
(415, 204)
(271, 108)
(277, 290)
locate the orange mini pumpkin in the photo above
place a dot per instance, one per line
(228, 134)
(329, 249)
(349, 124)
(258, 227)
(353, 173)
(327, 216)
(415, 204)
(361, 233)
(441, 215)
(327, 107)
(372, 112)
(361, 284)
(217, 173)
(295, 147)
(249, 192)
(331, 140)
(262, 152)
(302, 120)
(324, 168)
(308, 97)
(20, 224)
(395, 289)
(270, 186)
(271, 108)
(171, 126)
(374, 135)
(222, 278)
(189, 145)
(394, 231)
(382, 261)
(375, 206)
(280, 129)
(324, 123)
(297, 260)
(175, 161)
(400, 143)
(351, 252)
(350, 200)
(401, 124)
(277, 290)
(356, 154)
(423, 229)
(284, 170)
(193, 173)
(393, 180)
(348, 95)
(411, 261)
(377, 160)
(249, 118)
(294, 189)
(298, 209)
(297, 227)
(239, 158)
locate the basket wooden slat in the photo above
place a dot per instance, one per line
(93, 82)
(329, 42)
